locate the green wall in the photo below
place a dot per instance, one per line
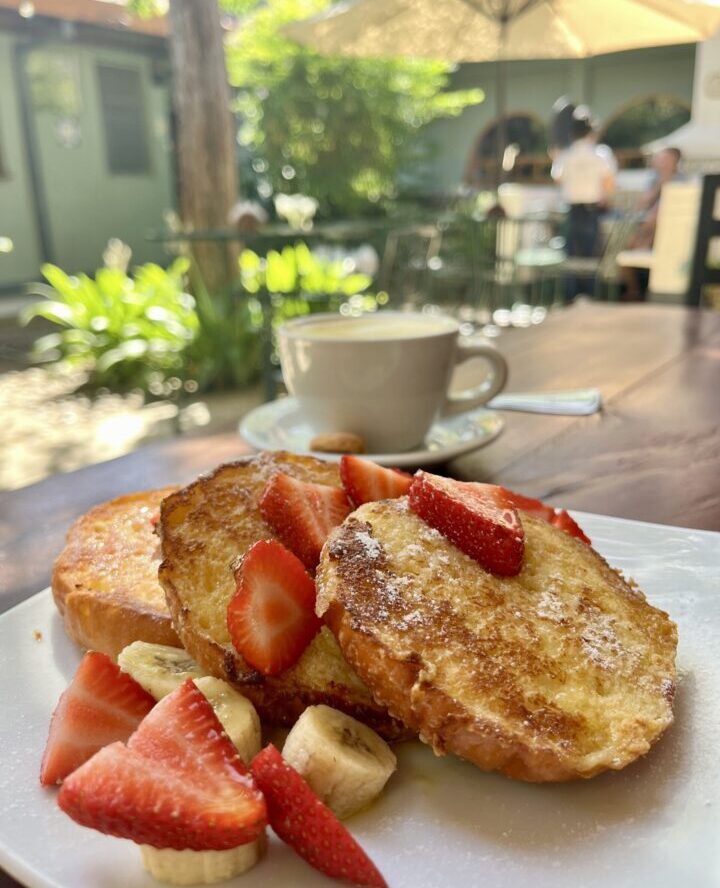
(83, 203)
(607, 83)
(16, 212)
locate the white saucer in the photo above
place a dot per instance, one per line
(279, 425)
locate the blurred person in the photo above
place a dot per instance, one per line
(665, 164)
(586, 174)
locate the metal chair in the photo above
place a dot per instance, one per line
(495, 263)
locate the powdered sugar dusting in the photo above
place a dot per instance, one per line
(371, 547)
(550, 607)
(600, 642)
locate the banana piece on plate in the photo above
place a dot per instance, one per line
(200, 867)
(159, 668)
(346, 763)
(235, 713)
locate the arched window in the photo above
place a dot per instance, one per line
(641, 122)
(528, 160)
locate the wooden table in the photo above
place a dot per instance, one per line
(652, 454)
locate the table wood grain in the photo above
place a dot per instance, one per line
(652, 453)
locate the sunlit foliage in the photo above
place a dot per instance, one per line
(337, 128)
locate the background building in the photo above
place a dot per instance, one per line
(636, 96)
(85, 135)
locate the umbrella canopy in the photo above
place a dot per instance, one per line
(487, 30)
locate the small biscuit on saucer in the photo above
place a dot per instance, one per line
(338, 442)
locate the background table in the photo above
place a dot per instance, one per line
(653, 453)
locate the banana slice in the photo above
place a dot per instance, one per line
(159, 668)
(346, 763)
(200, 867)
(236, 714)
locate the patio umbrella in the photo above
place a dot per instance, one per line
(503, 30)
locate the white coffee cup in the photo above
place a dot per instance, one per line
(382, 376)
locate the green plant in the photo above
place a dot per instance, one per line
(125, 331)
(296, 270)
(339, 129)
(225, 354)
(295, 282)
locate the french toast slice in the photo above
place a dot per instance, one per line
(206, 526)
(105, 582)
(562, 671)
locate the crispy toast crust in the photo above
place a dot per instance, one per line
(104, 582)
(204, 528)
(561, 672)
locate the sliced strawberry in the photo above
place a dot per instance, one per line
(475, 517)
(538, 509)
(271, 618)
(562, 520)
(310, 828)
(302, 515)
(365, 481)
(534, 507)
(179, 783)
(101, 705)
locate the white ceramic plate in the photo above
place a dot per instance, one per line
(280, 425)
(440, 821)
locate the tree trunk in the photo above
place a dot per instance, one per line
(205, 133)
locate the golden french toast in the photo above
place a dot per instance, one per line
(105, 580)
(204, 528)
(562, 671)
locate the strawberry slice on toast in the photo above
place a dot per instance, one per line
(271, 618)
(538, 509)
(535, 507)
(477, 518)
(102, 704)
(302, 514)
(179, 783)
(565, 522)
(302, 821)
(365, 481)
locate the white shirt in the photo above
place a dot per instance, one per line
(582, 169)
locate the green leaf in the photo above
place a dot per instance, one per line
(58, 280)
(281, 273)
(57, 312)
(355, 283)
(110, 286)
(80, 337)
(46, 343)
(132, 349)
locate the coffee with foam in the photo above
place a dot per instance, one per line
(381, 326)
